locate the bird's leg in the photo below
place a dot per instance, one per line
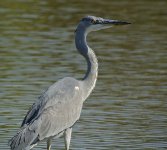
(48, 144)
(67, 138)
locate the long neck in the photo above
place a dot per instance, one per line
(90, 77)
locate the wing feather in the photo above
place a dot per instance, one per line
(57, 108)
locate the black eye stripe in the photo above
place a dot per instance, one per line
(93, 21)
(96, 21)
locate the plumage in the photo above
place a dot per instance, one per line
(59, 107)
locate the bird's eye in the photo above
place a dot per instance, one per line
(93, 21)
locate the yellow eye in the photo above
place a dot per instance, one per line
(93, 21)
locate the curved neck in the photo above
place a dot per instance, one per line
(92, 63)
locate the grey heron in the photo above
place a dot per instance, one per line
(59, 107)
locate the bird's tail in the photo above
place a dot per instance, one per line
(24, 139)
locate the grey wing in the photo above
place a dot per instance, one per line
(35, 109)
(55, 119)
(60, 111)
(44, 101)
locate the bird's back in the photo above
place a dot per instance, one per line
(64, 90)
(57, 109)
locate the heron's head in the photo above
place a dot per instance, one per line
(92, 23)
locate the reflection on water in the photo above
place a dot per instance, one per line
(127, 109)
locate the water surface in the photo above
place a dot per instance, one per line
(128, 108)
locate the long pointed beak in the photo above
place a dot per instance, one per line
(114, 22)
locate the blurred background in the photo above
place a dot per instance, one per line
(128, 108)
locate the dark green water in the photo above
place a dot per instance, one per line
(128, 108)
